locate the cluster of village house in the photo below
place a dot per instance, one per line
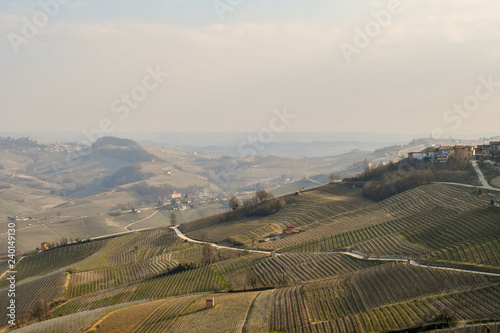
(441, 154)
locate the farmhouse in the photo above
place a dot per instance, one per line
(444, 152)
(468, 150)
(483, 150)
(495, 146)
(431, 152)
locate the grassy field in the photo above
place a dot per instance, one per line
(495, 182)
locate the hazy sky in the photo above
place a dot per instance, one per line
(75, 71)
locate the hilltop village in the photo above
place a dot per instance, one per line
(486, 152)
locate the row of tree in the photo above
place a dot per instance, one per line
(262, 203)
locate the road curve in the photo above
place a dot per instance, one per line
(352, 254)
(481, 177)
(144, 219)
(414, 263)
(182, 236)
(467, 185)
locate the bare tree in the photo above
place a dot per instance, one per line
(446, 314)
(334, 176)
(460, 159)
(208, 253)
(234, 203)
(262, 195)
(41, 310)
(173, 219)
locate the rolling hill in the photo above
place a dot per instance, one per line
(346, 271)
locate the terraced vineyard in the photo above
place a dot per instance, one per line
(330, 219)
(4, 266)
(78, 322)
(203, 279)
(311, 206)
(411, 230)
(387, 284)
(471, 328)
(92, 281)
(239, 273)
(482, 251)
(228, 315)
(152, 280)
(390, 245)
(130, 248)
(382, 298)
(295, 268)
(48, 288)
(55, 259)
(165, 316)
(129, 318)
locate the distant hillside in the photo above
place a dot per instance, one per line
(125, 175)
(121, 149)
(21, 143)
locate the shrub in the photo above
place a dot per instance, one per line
(396, 182)
(262, 204)
(115, 214)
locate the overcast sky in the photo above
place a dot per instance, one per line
(230, 74)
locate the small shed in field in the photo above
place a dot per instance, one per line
(210, 302)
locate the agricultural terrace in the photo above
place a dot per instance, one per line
(336, 216)
(49, 288)
(78, 322)
(56, 259)
(385, 297)
(197, 280)
(434, 216)
(153, 280)
(309, 207)
(228, 315)
(294, 268)
(483, 251)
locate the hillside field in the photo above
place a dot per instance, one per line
(319, 280)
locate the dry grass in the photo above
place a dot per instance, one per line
(496, 182)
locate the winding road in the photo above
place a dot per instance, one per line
(183, 236)
(352, 254)
(413, 262)
(482, 178)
